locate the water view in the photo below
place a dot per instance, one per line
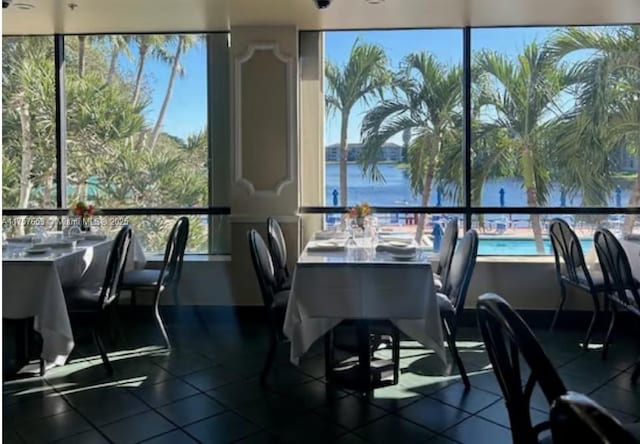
(396, 191)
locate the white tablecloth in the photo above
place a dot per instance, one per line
(329, 287)
(33, 286)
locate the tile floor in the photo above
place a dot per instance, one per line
(206, 390)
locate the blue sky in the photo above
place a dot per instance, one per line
(188, 107)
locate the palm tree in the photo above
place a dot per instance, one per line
(183, 44)
(148, 44)
(525, 101)
(364, 76)
(118, 44)
(607, 113)
(427, 102)
(82, 46)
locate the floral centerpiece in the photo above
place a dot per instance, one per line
(359, 212)
(84, 213)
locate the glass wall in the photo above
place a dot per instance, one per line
(135, 134)
(28, 123)
(554, 124)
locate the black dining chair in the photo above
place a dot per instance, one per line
(576, 418)
(278, 250)
(447, 247)
(568, 251)
(100, 302)
(274, 300)
(621, 286)
(507, 338)
(164, 279)
(453, 294)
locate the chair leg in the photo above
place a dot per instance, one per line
(163, 330)
(133, 297)
(101, 349)
(607, 338)
(594, 318)
(328, 354)
(268, 363)
(451, 340)
(635, 374)
(395, 335)
(563, 299)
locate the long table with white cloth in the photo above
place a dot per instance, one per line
(32, 286)
(361, 283)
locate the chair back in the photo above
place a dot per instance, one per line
(263, 265)
(576, 418)
(616, 269)
(278, 249)
(507, 337)
(461, 270)
(174, 253)
(447, 248)
(116, 261)
(566, 246)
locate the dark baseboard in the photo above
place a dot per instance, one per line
(537, 319)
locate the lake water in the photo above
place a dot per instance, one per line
(395, 191)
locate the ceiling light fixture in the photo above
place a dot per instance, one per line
(24, 6)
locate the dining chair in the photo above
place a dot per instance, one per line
(165, 278)
(274, 299)
(568, 251)
(508, 338)
(621, 288)
(100, 302)
(278, 250)
(576, 418)
(447, 247)
(453, 294)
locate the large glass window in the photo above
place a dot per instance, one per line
(135, 137)
(554, 124)
(28, 123)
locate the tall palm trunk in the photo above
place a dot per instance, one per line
(82, 44)
(142, 53)
(26, 165)
(528, 170)
(344, 156)
(427, 183)
(112, 65)
(634, 199)
(167, 97)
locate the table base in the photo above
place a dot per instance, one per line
(362, 373)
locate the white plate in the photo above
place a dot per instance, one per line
(37, 250)
(403, 257)
(398, 244)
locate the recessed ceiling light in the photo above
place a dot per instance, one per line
(374, 2)
(24, 6)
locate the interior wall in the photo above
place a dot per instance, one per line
(264, 146)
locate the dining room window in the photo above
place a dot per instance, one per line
(133, 130)
(28, 122)
(513, 125)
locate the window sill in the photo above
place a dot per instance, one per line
(517, 259)
(158, 258)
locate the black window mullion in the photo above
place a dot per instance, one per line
(61, 122)
(466, 110)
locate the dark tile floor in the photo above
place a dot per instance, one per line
(206, 390)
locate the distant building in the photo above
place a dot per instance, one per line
(391, 152)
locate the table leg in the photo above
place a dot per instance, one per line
(364, 353)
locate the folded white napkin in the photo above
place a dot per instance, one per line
(396, 249)
(324, 246)
(329, 234)
(58, 244)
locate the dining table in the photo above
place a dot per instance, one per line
(34, 276)
(361, 280)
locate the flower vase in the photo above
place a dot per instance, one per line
(85, 223)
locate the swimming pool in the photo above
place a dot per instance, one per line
(519, 247)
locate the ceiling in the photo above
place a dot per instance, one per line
(100, 16)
